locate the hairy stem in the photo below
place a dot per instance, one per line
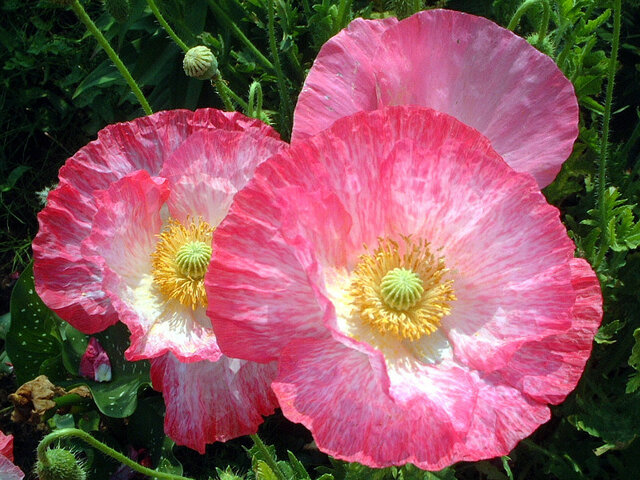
(82, 435)
(223, 17)
(84, 18)
(286, 109)
(156, 11)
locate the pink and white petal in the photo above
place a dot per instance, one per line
(341, 79)
(66, 280)
(459, 64)
(258, 292)
(6, 446)
(502, 417)
(213, 401)
(330, 388)
(8, 471)
(124, 235)
(203, 197)
(549, 369)
(231, 155)
(145, 144)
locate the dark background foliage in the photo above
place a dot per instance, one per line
(58, 89)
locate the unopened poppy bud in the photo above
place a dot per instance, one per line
(61, 465)
(199, 62)
(118, 9)
(95, 363)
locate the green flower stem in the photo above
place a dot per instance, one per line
(221, 87)
(74, 432)
(267, 457)
(84, 18)
(544, 23)
(166, 26)
(604, 142)
(222, 16)
(286, 109)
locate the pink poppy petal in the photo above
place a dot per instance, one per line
(457, 63)
(6, 446)
(67, 281)
(8, 471)
(330, 388)
(213, 401)
(549, 369)
(341, 79)
(124, 235)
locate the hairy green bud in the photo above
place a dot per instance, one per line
(61, 465)
(118, 9)
(199, 62)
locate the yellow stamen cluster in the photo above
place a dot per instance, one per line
(181, 259)
(401, 294)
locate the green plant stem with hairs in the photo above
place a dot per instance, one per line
(286, 110)
(224, 18)
(156, 11)
(82, 435)
(84, 18)
(544, 22)
(604, 141)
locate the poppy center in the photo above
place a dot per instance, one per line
(402, 291)
(181, 259)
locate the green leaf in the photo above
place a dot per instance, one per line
(607, 332)
(264, 472)
(298, 469)
(13, 177)
(5, 324)
(29, 341)
(119, 397)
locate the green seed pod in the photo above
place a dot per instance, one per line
(118, 9)
(62, 465)
(199, 62)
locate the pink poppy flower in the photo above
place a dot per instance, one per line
(8, 471)
(456, 63)
(127, 236)
(421, 296)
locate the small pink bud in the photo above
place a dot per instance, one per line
(95, 362)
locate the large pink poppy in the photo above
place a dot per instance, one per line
(8, 471)
(421, 296)
(456, 63)
(127, 236)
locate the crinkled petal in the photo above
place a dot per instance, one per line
(456, 63)
(213, 401)
(8, 471)
(6, 446)
(69, 282)
(124, 236)
(547, 370)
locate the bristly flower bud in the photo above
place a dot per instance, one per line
(118, 9)
(199, 62)
(61, 465)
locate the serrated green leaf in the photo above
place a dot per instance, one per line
(607, 332)
(264, 472)
(298, 469)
